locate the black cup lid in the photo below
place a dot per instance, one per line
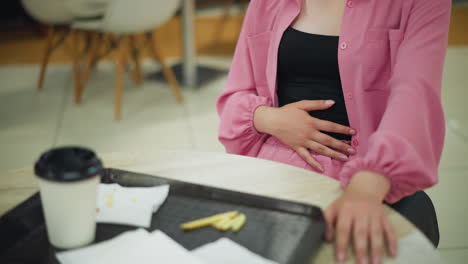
(68, 164)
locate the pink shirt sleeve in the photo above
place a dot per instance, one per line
(408, 143)
(238, 101)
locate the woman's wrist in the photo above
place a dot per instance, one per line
(264, 117)
(369, 184)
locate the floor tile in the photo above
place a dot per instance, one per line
(454, 256)
(458, 123)
(219, 62)
(18, 179)
(454, 92)
(22, 154)
(151, 117)
(11, 198)
(455, 149)
(451, 203)
(23, 107)
(205, 129)
(29, 118)
(204, 120)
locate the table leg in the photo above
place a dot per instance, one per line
(189, 63)
(189, 73)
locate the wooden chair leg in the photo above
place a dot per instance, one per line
(167, 71)
(121, 59)
(218, 33)
(76, 65)
(45, 58)
(90, 61)
(136, 73)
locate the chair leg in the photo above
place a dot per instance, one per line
(135, 53)
(220, 29)
(75, 38)
(89, 64)
(167, 71)
(121, 58)
(45, 59)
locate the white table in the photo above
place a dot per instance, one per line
(238, 173)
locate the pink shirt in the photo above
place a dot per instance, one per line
(391, 54)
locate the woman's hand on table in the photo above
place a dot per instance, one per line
(359, 216)
(293, 126)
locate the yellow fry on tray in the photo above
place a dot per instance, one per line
(224, 224)
(238, 222)
(207, 221)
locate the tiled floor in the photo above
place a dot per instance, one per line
(32, 122)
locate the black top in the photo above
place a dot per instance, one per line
(308, 70)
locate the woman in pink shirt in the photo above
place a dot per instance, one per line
(350, 89)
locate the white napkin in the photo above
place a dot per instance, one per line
(226, 251)
(129, 205)
(132, 247)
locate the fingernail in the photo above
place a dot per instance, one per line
(343, 157)
(321, 169)
(329, 102)
(352, 131)
(351, 151)
(340, 257)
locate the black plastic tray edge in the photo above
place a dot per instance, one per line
(118, 176)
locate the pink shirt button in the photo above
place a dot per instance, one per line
(349, 95)
(343, 45)
(355, 142)
(350, 4)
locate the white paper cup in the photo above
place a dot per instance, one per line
(68, 183)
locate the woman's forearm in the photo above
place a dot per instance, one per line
(370, 184)
(264, 119)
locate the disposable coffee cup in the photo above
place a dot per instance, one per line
(68, 183)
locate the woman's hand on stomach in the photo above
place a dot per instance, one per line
(293, 126)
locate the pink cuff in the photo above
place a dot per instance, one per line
(252, 113)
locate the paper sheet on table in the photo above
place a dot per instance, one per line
(132, 247)
(129, 205)
(226, 251)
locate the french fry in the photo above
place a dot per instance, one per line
(224, 224)
(238, 222)
(207, 221)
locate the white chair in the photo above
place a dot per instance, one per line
(121, 22)
(87, 8)
(57, 16)
(51, 12)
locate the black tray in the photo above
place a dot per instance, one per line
(283, 231)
